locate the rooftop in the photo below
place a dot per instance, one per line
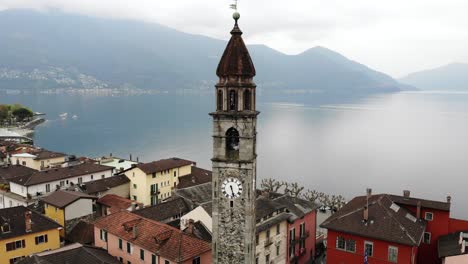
(197, 177)
(15, 218)
(60, 174)
(12, 171)
(115, 202)
(412, 201)
(387, 221)
(449, 245)
(156, 237)
(62, 199)
(164, 211)
(72, 254)
(164, 164)
(195, 195)
(105, 184)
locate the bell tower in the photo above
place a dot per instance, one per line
(234, 155)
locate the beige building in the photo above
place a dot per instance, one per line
(153, 182)
(38, 160)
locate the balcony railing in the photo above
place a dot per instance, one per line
(297, 254)
(305, 235)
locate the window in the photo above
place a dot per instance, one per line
(368, 248)
(392, 254)
(167, 262)
(340, 243)
(153, 175)
(175, 173)
(6, 228)
(120, 244)
(129, 248)
(268, 234)
(256, 260)
(267, 258)
(277, 229)
(134, 186)
(24, 163)
(47, 187)
(41, 239)
(277, 250)
(351, 245)
(247, 99)
(80, 180)
(15, 245)
(153, 259)
(129, 262)
(121, 259)
(142, 254)
(429, 216)
(232, 100)
(134, 197)
(103, 176)
(103, 235)
(62, 183)
(232, 143)
(15, 260)
(256, 239)
(302, 234)
(220, 101)
(196, 260)
(92, 176)
(427, 238)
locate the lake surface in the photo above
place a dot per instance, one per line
(414, 141)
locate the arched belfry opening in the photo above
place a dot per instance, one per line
(220, 100)
(232, 143)
(232, 100)
(247, 100)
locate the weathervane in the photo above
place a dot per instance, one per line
(234, 6)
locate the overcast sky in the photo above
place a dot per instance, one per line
(393, 36)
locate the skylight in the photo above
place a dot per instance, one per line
(394, 207)
(411, 217)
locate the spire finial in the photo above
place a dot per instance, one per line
(236, 14)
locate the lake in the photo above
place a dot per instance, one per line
(416, 141)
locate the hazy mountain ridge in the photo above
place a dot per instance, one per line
(90, 51)
(453, 77)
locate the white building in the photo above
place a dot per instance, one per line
(26, 189)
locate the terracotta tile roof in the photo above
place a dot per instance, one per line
(387, 221)
(164, 211)
(15, 217)
(12, 171)
(198, 176)
(72, 254)
(105, 184)
(443, 206)
(164, 164)
(60, 174)
(236, 59)
(115, 203)
(46, 154)
(62, 199)
(156, 237)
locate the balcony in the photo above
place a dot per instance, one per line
(299, 253)
(268, 242)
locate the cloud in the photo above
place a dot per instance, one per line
(394, 36)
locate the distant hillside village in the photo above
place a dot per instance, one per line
(113, 210)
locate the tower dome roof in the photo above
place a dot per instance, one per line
(236, 59)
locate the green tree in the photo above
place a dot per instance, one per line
(3, 113)
(22, 113)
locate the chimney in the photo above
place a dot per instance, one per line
(449, 199)
(134, 206)
(135, 231)
(366, 207)
(190, 226)
(418, 210)
(28, 222)
(406, 193)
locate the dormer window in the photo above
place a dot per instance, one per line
(6, 228)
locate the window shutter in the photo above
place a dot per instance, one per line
(37, 240)
(23, 243)
(46, 239)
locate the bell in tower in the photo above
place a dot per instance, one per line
(234, 155)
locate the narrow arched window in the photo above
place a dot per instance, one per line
(220, 100)
(232, 100)
(247, 105)
(232, 144)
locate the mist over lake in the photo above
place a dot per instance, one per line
(416, 141)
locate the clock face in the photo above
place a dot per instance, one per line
(232, 188)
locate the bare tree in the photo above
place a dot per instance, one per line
(271, 185)
(294, 189)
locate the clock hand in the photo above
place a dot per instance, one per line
(232, 190)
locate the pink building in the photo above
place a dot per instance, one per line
(134, 239)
